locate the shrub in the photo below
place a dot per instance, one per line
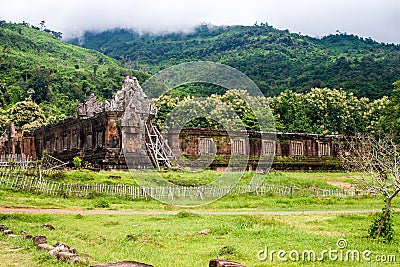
(387, 229)
(77, 162)
(101, 203)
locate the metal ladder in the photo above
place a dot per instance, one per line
(160, 153)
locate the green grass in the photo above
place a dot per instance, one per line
(323, 180)
(91, 177)
(174, 240)
(244, 202)
(186, 178)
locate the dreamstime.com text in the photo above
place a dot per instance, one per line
(340, 253)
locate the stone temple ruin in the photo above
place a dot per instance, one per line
(134, 114)
(118, 131)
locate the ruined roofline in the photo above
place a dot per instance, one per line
(130, 94)
(130, 98)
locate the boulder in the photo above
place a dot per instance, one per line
(8, 232)
(68, 256)
(77, 259)
(54, 252)
(60, 244)
(40, 239)
(27, 236)
(45, 247)
(12, 236)
(65, 255)
(3, 227)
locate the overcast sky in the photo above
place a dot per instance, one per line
(379, 19)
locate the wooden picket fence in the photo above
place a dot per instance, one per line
(21, 163)
(13, 160)
(23, 182)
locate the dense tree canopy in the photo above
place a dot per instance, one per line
(322, 110)
(388, 117)
(276, 60)
(56, 74)
(27, 114)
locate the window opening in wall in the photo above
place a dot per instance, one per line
(238, 147)
(206, 146)
(297, 148)
(268, 147)
(324, 149)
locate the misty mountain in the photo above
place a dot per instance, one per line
(276, 60)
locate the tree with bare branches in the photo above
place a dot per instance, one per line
(377, 160)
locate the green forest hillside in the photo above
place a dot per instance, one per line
(56, 75)
(276, 60)
(42, 78)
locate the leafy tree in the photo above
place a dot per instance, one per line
(42, 24)
(165, 104)
(322, 110)
(292, 114)
(236, 99)
(26, 114)
(335, 111)
(378, 114)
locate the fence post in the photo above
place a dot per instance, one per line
(291, 191)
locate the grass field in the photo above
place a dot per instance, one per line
(245, 202)
(174, 239)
